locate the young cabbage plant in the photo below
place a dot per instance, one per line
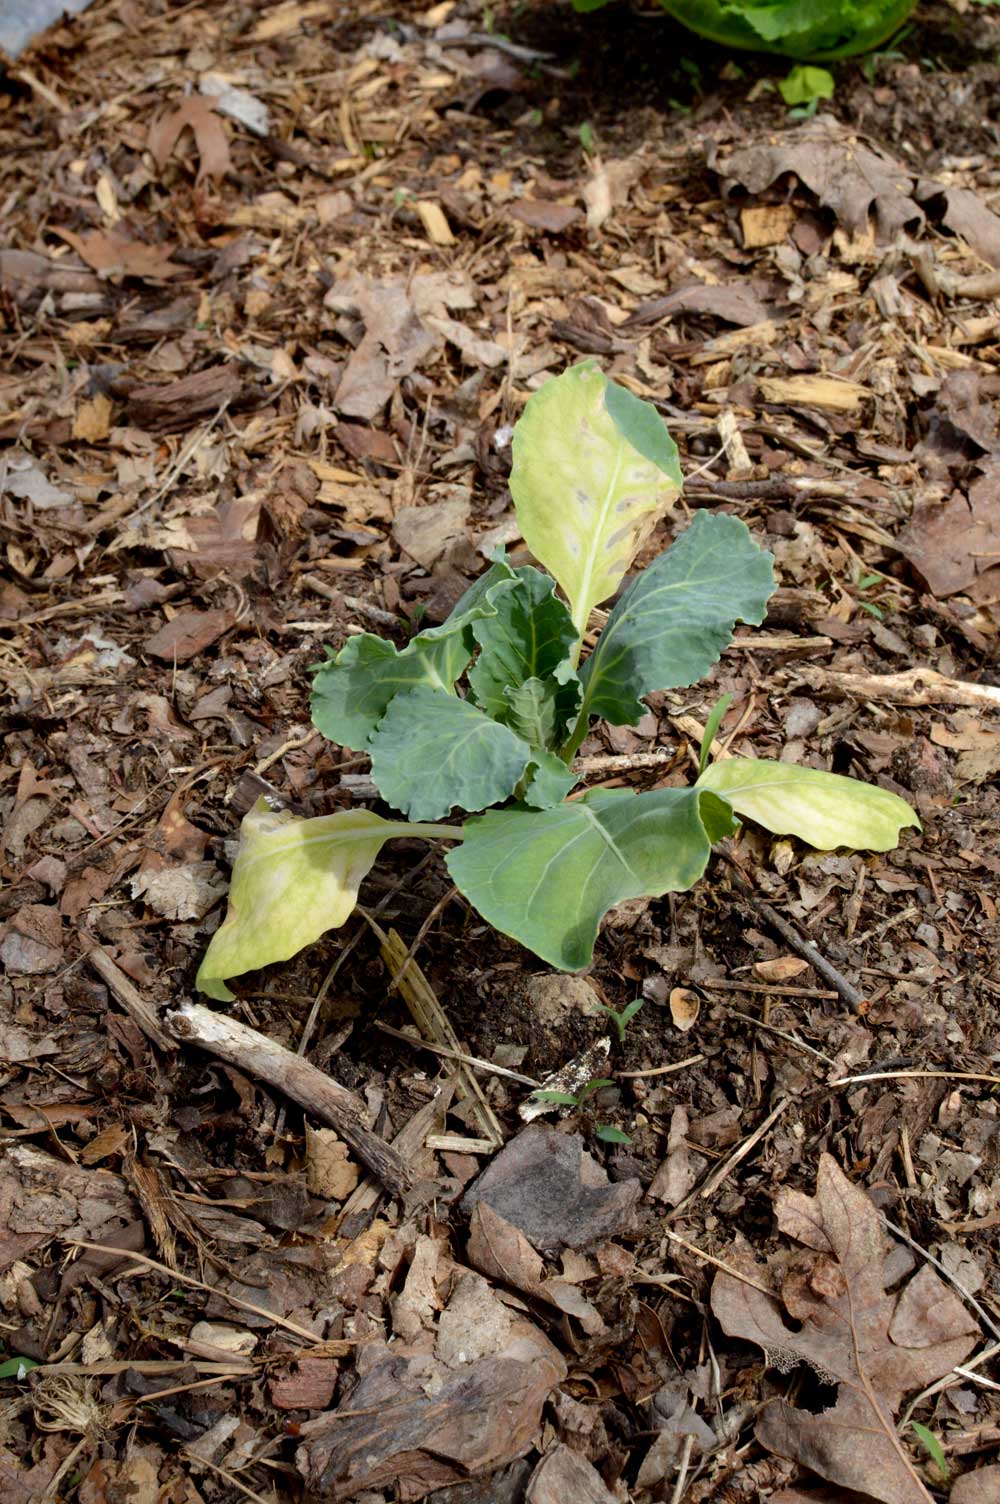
(487, 711)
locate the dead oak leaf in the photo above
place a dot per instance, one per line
(875, 1346)
(113, 253)
(196, 113)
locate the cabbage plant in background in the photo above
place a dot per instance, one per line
(804, 29)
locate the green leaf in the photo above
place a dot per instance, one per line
(530, 638)
(803, 84)
(674, 621)
(548, 877)
(641, 426)
(550, 780)
(712, 725)
(352, 692)
(822, 808)
(293, 879)
(586, 498)
(17, 1368)
(539, 710)
(560, 1098)
(609, 1135)
(933, 1448)
(433, 752)
(596, 1083)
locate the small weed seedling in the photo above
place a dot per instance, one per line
(625, 1017)
(487, 712)
(603, 1131)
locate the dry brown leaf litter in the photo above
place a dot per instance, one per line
(260, 389)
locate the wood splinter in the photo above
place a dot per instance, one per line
(264, 1060)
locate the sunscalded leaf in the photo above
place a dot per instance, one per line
(352, 692)
(586, 497)
(530, 638)
(822, 808)
(292, 880)
(433, 752)
(548, 877)
(674, 621)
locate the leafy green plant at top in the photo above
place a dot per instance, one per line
(485, 713)
(822, 29)
(625, 1017)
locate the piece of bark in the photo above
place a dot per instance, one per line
(177, 404)
(188, 633)
(264, 1060)
(564, 1475)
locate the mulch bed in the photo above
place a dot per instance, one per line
(275, 283)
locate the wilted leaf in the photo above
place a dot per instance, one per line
(824, 809)
(594, 470)
(195, 112)
(117, 254)
(545, 1184)
(875, 1346)
(293, 880)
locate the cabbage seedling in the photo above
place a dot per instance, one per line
(487, 711)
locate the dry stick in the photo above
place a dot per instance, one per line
(131, 999)
(230, 1478)
(263, 1059)
(807, 949)
(145, 1262)
(661, 1070)
(947, 1382)
(472, 1061)
(915, 1075)
(914, 686)
(709, 1258)
(799, 1044)
(728, 1165)
(776, 989)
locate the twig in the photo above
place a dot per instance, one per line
(915, 1075)
(375, 614)
(728, 1165)
(223, 1472)
(709, 1258)
(682, 1469)
(177, 1277)
(129, 996)
(625, 762)
(807, 949)
(472, 1061)
(794, 1039)
(947, 1382)
(265, 1060)
(294, 744)
(914, 686)
(661, 1070)
(774, 989)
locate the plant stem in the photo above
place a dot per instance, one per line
(435, 832)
